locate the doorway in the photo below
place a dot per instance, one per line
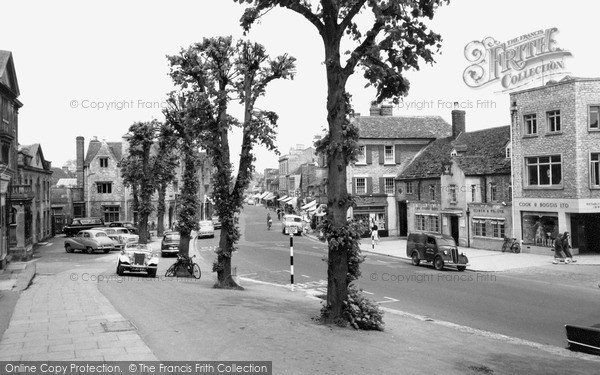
(454, 228)
(402, 219)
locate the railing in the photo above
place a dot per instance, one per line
(6, 129)
(21, 192)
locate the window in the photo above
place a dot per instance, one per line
(432, 192)
(103, 162)
(553, 118)
(497, 228)
(539, 229)
(493, 193)
(544, 170)
(530, 124)
(104, 187)
(473, 193)
(429, 223)
(389, 155)
(594, 117)
(595, 169)
(362, 155)
(409, 187)
(361, 186)
(507, 152)
(479, 228)
(389, 185)
(452, 192)
(111, 213)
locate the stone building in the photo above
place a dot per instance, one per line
(289, 175)
(460, 186)
(387, 145)
(556, 164)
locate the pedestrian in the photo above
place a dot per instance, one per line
(269, 221)
(558, 247)
(566, 245)
(375, 233)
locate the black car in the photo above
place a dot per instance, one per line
(82, 223)
(437, 248)
(125, 224)
(170, 243)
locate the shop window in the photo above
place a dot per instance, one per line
(498, 228)
(594, 117)
(389, 185)
(553, 119)
(389, 155)
(530, 124)
(595, 169)
(104, 187)
(361, 185)
(428, 223)
(539, 229)
(479, 227)
(544, 170)
(409, 188)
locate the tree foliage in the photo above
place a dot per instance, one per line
(217, 71)
(390, 38)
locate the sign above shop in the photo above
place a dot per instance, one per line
(559, 205)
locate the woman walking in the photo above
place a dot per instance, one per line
(558, 247)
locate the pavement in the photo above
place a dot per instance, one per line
(61, 317)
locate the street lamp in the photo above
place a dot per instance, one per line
(468, 228)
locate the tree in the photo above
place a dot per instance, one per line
(218, 70)
(395, 40)
(167, 161)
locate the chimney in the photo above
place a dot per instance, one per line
(458, 122)
(79, 154)
(387, 110)
(374, 110)
(125, 145)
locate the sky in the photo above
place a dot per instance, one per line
(92, 69)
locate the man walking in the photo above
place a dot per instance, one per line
(566, 245)
(558, 248)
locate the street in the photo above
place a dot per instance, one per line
(528, 304)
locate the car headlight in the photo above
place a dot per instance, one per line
(445, 252)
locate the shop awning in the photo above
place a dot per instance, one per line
(282, 198)
(370, 201)
(269, 197)
(263, 195)
(309, 205)
(257, 195)
(312, 209)
(292, 201)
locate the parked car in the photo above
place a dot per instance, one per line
(216, 222)
(251, 202)
(129, 225)
(170, 243)
(82, 223)
(120, 236)
(137, 258)
(292, 224)
(440, 249)
(206, 229)
(89, 240)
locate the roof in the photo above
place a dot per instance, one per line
(398, 127)
(95, 146)
(66, 182)
(8, 77)
(479, 152)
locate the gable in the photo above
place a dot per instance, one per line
(8, 76)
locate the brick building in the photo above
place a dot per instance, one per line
(556, 164)
(289, 174)
(388, 144)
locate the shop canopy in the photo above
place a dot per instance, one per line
(282, 198)
(309, 205)
(287, 199)
(292, 201)
(263, 195)
(257, 195)
(269, 197)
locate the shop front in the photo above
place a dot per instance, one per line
(372, 210)
(489, 224)
(426, 217)
(539, 221)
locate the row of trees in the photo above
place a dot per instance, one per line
(211, 74)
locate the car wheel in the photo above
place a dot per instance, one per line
(438, 263)
(415, 259)
(152, 273)
(461, 268)
(120, 269)
(68, 248)
(89, 250)
(106, 251)
(162, 254)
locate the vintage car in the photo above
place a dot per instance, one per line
(216, 221)
(124, 224)
(170, 243)
(119, 235)
(292, 224)
(137, 258)
(437, 248)
(206, 229)
(82, 223)
(89, 240)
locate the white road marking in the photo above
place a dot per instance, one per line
(305, 276)
(364, 291)
(388, 300)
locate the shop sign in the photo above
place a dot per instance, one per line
(559, 205)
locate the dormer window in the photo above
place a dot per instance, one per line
(103, 162)
(507, 151)
(453, 153)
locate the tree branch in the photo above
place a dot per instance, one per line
(360, 51)
(351, 13)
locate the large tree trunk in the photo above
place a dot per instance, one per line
(160, 210)
(337, 205)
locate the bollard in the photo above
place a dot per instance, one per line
(292, 259)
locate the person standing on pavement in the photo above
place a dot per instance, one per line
(558, 247)
(375, 233)
(566, 245)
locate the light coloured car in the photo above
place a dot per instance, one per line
(292, 224)
(206, 229)
(251, 202)
(119, 235)
(89, 240)
(137, 258)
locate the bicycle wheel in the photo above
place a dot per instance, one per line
(171, 271)
(196, 271)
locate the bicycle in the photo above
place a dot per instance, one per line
(511, 244)
(186, 263)
(269, 223)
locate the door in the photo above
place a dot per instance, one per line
(402, 219)
(454, 228)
